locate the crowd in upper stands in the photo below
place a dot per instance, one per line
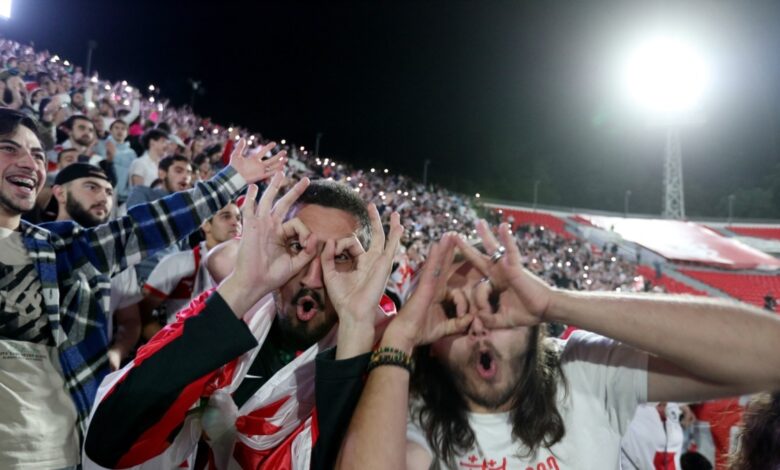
(53, 91)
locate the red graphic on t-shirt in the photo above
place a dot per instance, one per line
(664, 461)
(486, 464)
(474, 462)
(550, 464)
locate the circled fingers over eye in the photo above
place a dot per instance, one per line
(296, 229)
(350, 245)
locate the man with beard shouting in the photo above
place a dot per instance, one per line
(238, 368)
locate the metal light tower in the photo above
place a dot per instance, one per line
(674, 198)
(667, 76)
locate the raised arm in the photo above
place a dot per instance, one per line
(152, 397)
(701, 347)
(381, 414)
(355, 293)
(149, 227)
(135, 110)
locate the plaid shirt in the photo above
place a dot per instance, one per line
(75, 264)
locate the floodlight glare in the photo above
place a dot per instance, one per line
(5, 9)
(666, 76)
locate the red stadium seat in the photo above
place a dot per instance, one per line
(544, 219)
(750, 288)
(772, 233)
(671, 285)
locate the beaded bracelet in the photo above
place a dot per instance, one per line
(390, 357)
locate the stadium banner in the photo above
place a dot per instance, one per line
(678, 240)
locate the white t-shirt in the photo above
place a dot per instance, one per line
(174, 278)
(650, 443)
(37, 416)
(606, 382)
(125, 291)
(144, 167)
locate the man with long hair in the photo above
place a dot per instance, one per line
(489, 391)
(759, 438)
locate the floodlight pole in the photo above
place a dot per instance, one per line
(317, 144)
(626, 199)
(536, 192)
(731, 208)
(674, 200)
(91, 46)
(425, 172)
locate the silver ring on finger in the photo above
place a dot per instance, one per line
(498, 254)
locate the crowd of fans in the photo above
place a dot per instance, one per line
(129, 123)
(149, 148)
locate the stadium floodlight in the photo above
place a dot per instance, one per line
(5, 9)
(666, 76)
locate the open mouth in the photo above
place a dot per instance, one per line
(486, 365)
(306, 308)
(23, 182)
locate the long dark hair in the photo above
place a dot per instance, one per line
(442, 412)
(759, 441)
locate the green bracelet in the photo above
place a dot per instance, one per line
(403, 363)
(390, 357)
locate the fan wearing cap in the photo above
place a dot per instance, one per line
(84, 194)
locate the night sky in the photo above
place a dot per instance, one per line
(495, 94)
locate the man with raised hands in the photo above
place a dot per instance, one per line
(55, 293)
(244, 366)
(488, 391)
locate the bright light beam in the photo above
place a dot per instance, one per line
(5, 9)
(667, 77)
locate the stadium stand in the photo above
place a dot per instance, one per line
(521, 217)
(750, 288)
(772, 233)
(669, 284)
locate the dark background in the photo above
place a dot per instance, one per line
(496, 94)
